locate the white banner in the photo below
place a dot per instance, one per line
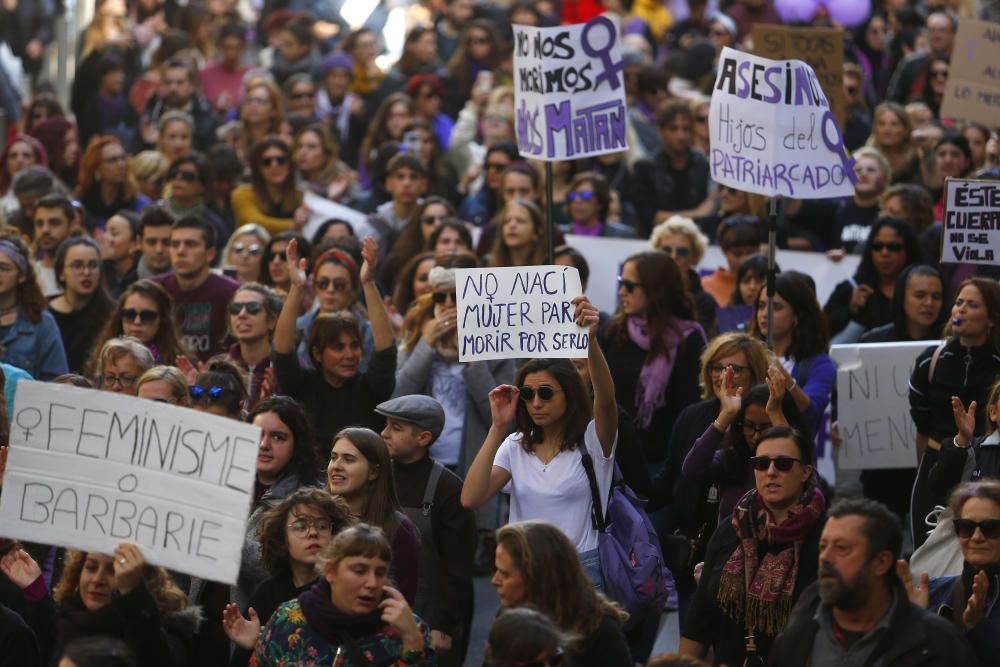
(513, 312)
(772, 130)
(971, 231)
(90, 469)
(322, 209)
(569, 92)
(873, 404)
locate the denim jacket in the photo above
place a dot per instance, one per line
(37, 348)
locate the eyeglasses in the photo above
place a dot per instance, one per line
(629, 285)
(125, 381)
(479, 40)
(750, 428)
(545, 393)
(209, 393)
(253, 249)
(584, 196)
(679, 251)
(324, 284)
(258, 101)
(183, 174)
(717, 369)
(279, 160)
(145, 316)
(430, 219)
(280, 255)
(252, 307)
(966, 528)
(553, 660)
(702, 119)
(84, 267)
(892, 246)
(303, 96)
(301, 527)
(441, 297)
(781, 463)
(939, 74)
(496, 166)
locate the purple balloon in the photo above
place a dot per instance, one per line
(849, 13)
(797, 11)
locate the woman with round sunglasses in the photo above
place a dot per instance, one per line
(680, 238)
(164, 384)
(654, 344)
(290, 537)
(553, 421)
(416, 235)
(245, 252)
(144, 311)
(535, 567)
(251, 319)
(191, 179)
(968, 600)
(82, 308)
(864, 301)
(759, 562)
(271, 199)
(587, 203)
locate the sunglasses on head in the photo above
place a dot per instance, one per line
(892, 246)
(184, 175)
(145, 316)
(279, 160)
(253, 307)
(208, 393)
(629, 285)
(583, 196)
(545, 392)
(441, 297)
(781, 463)
(966, 528)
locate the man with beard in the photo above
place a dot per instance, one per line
(180, 92)
(858, 612)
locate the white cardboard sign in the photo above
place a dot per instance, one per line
(971, 226)
(514, 312)
(873, 404)
(569, 91)
(90, 469)
(773, 132)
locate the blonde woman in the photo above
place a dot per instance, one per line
(683, 240)
(891, 134)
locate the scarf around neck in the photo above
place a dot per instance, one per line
(332, 624)
(754, 590)
(655, 373)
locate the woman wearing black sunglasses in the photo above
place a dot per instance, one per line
(252, 315)
(271, 199)
(970, 599)
(758, 563)
(865, 301)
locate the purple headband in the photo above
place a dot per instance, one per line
(12, 253)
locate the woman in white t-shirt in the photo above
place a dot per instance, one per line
(539, 463)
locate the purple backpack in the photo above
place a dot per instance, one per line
(635, 574)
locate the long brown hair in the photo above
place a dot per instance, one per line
(500, 255)
(169, 598)
(378, 132)
(665, 301)
(272, 531)
(290, 195)
(381, 506)
(554, 580)
(579, 409)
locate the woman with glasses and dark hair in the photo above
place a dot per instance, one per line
(251, 318)
(274, 268)
(969, 600)
(654, 344)
(82, 307)
(758, 564)
(245, 252)
(587, 204)
(864, 301)
(144, 311)
(290, 537)
(191, 178)
(121, 361)
(271, 199)
(554, 423)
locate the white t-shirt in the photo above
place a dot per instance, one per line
(559, 491)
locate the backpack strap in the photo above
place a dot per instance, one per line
(934, 359)
(597, 517)
(431, 488)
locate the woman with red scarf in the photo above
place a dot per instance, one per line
(760, 561)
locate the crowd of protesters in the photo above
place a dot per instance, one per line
(157, 240)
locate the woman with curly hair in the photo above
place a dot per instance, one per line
(271, 199)
(118, 595)
(290, 536)
(105, 186)
(144, 311)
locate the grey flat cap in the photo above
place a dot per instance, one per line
(417, 409)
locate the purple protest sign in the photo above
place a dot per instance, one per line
(773, 132)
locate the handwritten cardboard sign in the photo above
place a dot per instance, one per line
(873, 404)
(973, 88)
(569, 93)
(820, 48)
(971, 226)
(773, 131)
(513, 312)
(90, 469)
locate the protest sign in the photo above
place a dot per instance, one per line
(773, 132)
(873, 404)
(821, 48)
(90, 469)
(973, 88)
(970, 231)
(569, 93)
(511, 312)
